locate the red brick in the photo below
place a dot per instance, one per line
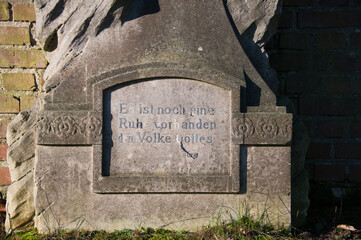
(335, 85)
(310, 40)
(301, 83)
(9, 104)
(329, 173)
(286, 60)
(355, 40)
(297, 40)
(356, 87)
(291, 61)
(4, 11)
(272, 43)
(330, 106)
(308, 125)
(322, 62)
(345, 62)
(26, 102)
(297, 3)
(339, 107)
(308, 105)
(328, 19)
(334, 3)
(3, 150)
(3, 127)
(22, 58)
(355, 173)
(18, 81)
(348, 150)
(355, 129)
(24, 12)
(286, 19)
(356, 3)
(4, 176)
(331, 128)
(14, 35)
(319, 150)
(330, 40)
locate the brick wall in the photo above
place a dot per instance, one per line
(317, 53)
(21, 66)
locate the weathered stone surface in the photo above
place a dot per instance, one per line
(117, 211)
(69, 128)
(15, 157)
(263, 128)
(74, 24)
(21, 151)
(111, 62)
(256, 23)
(20, 203)
(178, 126)
(268, 169)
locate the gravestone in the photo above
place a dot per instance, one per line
(154, 114)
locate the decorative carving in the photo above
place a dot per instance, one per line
(244, 128)
(66, 126)
(267, 128)
(92, 127)
(43, 125)
(286, 129)
(263, 129)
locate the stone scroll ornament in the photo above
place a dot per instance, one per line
(65, 127)
(93, 46)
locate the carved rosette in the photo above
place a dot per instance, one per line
(256, 128)
(64, 127)
(267, 128)
(57, 128)
(92, 127)
(243, 128)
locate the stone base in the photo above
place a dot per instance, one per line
(64, 196)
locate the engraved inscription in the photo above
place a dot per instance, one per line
(165, 127)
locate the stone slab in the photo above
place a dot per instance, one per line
(101, 165)
(59, 183)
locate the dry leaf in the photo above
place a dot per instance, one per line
(347, 227)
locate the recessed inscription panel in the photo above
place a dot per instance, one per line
(166, 127)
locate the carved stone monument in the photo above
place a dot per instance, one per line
(156, 112)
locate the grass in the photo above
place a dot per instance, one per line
(235, 228)
(243, 228)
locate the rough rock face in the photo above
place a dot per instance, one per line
(71, 30)
(65, 27)
(20, 199)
